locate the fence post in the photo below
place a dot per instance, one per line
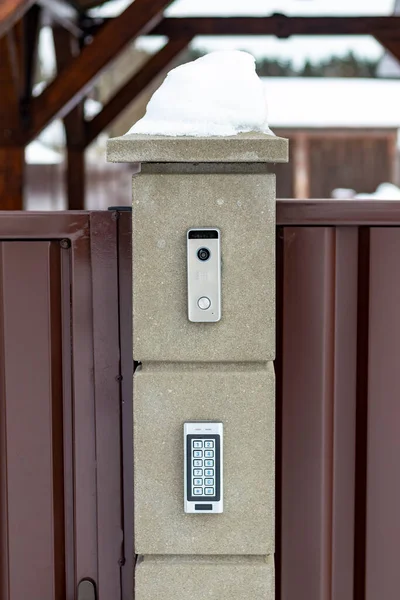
(203, 371)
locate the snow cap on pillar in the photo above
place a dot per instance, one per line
(213, 109)
(217, 94)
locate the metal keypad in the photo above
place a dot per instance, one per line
(203, 467)
(203, 481)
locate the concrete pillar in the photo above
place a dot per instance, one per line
(204, 371)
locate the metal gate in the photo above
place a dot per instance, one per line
(64, 504)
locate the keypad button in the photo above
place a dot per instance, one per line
(208, 453)
(208, 472)
(207, 481)
(199, 472)
(207, 463)
(199, 463)
(209, 491)
(197, 453)
(200, 482)
(197, 491)
(209, 444)
(197, 444)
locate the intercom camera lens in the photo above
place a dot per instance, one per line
(203, 254)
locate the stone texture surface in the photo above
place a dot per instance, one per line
(242, 397)
(201, 578)
(244, 147)
(165, 206)
(204, 371)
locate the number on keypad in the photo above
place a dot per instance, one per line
(203, 450)
(203, 482)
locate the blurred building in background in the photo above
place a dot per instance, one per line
(343, 134)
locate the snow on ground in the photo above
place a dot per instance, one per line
(217, 94)
(384, 191)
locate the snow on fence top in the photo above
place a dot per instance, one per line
(219, 94)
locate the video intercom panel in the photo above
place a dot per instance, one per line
(204, 274)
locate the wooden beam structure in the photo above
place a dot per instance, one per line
(12, 154)
(12, 169)
(65, 92)
(390, 44)
(280, 26)
(136, 84)
(75, 175)
(18, 51)
(31, 22)
(67, 48)
(16, 69)
(11, 11)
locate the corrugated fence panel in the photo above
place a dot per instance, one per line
(383, 438)
(61, 457)
(306, 412)
(32, 502)
(107, 401)
(339, 400)
(318, 408)
(344, 412)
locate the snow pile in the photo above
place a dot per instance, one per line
(219, 94)
(384, 191)
(37, 153)
(343, 193)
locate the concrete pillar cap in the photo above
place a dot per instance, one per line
(241, 148)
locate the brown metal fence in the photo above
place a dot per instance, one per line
(66, 412)
(338, 400)
(63, 503)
